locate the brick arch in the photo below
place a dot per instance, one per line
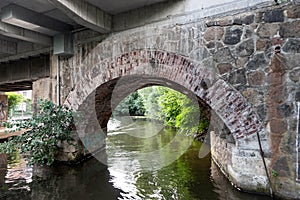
(200, 80)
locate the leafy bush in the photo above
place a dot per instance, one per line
(174, 109)
(132, 105)
(47, 129)
(13, 100)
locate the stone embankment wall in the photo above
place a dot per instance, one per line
(245, 67)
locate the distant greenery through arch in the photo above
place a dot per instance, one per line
(166, 105)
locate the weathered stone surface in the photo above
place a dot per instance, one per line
(262, 44)
(248, 33)
(214, 44)
(241, 61)
(261, 111)
(258, 61)
(253, 96)
(214, 33)
(297, 96)
(275, 15)
(267, 30)
(285, 110)
(259, 17)
(278, 64)
(249, 19)
(224, 68)
(292, 61)
(256, 78)
(292, 46)
(245, 48)
(290, 29)
(294, 75)
(276, 94)
(293, 12)
(281, 166)
(238, 77)
(200, 54)
(233, 35)
(224, 55)
(226, 21)
(278, 126)
(212, 22)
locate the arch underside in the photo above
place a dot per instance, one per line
(137, 69)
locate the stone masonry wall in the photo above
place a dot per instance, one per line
(248, 61)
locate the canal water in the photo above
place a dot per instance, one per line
(141, 165)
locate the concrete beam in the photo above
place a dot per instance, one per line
(24, 55)
(85, 14)
(24, 34)
(8, 47)
(25, 18)
(25, 70)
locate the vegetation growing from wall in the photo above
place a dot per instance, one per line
(47, 129)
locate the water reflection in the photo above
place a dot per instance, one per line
(188, 178)
(3, 168)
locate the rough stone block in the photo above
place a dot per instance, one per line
(290, 29)
(245, 48)
(294, 75)
(233, 35)
(212, 44)
(214, 33)
(241, 61)
(253, 96)
(262, 44)
(258, 61)
(249, 19)
(267, 30)
(238, 77)
(224, 68)
(292, 46)
(278, 126)
(293, 12)
(275, 15)
(224, 55)
(297, 96)
(285, 110)
(281, 166)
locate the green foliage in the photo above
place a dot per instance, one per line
(171, 103)
(13, 100)
(174, 109)
(167, 105)
(131, 105)
(274, 173)
(8, 147)
(150, 97)
(49, 127)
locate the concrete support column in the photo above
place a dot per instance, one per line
(46, 88)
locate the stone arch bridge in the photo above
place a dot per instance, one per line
(241, 66)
